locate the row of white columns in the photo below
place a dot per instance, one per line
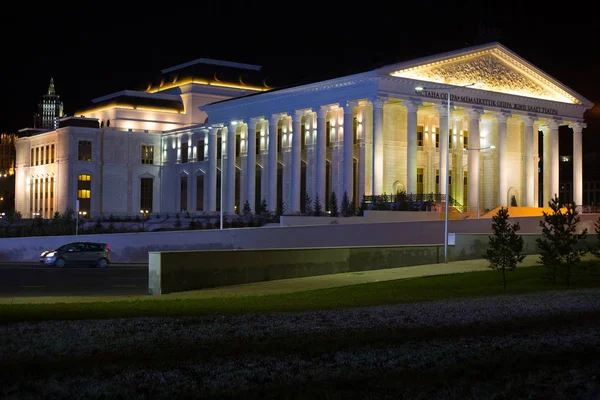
(551, 161)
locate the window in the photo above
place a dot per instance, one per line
(32, 157)
(84, 193)
(51, 197)
(420, 136)
(238, 141)
(47, 160)
(450, 140)
(437, 138)
(450, 186)
(257, 144)
(200, 150)
(147, 154)
(183, 194)
(419, 181)
(466, 139)
(437, 181)
(146, 194)
(200, 192)
(84, 150)
(355, 130)
(37, 156)
(328, 134)
(52, 154)
(184, 152)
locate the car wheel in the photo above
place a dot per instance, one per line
(60, 263)
(102, 263)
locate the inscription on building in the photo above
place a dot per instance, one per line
(487, 102)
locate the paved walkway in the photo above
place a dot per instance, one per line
(294, 284)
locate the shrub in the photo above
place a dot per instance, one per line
(333, 205)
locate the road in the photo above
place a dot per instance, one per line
(34, 280)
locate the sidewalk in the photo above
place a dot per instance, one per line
(291, 285)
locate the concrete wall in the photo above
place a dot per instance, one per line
(134, 247)
(369, 217)
(192, 270)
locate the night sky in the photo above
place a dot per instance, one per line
(93, 50)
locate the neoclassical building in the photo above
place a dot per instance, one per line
(169, 147)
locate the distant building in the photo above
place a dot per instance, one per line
(50, 110)
(8, 151)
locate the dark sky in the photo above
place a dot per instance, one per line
(94, 49)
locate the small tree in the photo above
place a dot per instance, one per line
(318, 208)
(345, 205)
(363, 206)
(333, 205)
(559, 250)
(280, 208)
(246, 209)
(262, 208)
(307, 206)
(596, 249)
(505, 246)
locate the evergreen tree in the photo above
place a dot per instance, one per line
(307, 206)
(596, 249)
(333, 205)
(559, 250)
(363, 206)
(262, 208)
(280, 208)
(318, 208)
(246, 209)
(345, 205)
(505, 246)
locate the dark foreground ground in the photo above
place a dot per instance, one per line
(536, 346)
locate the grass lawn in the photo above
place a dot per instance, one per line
(463, 285)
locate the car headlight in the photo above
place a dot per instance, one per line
(51, 254)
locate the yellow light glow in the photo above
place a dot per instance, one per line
(204, 82)
(125, 107)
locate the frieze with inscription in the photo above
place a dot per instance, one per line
(487, 102)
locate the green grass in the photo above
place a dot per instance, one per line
(463, 285)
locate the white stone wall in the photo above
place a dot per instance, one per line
(394, 151)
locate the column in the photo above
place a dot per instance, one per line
(320, 162)
(501, 118)
(311, 130)
(475, 143)
(243, 164)
(536, 163)
(272, 165)
(264, 162)
(377, 147)
(212, 170)
(553, 148)
(286, 148)
(336, 153)
(529, 164)
(411, 156)
(296, 161)
(363, 151)
(577, 164)
(230, 176)
(443, 122)
(348, 133)
(251, 165)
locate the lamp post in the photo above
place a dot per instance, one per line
(478, 184)
(448, 89)
(221, 188)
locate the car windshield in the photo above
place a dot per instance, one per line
(66, 247)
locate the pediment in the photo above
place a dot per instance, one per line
(493, 67)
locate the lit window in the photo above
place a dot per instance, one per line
(147, 154)
(420, 136)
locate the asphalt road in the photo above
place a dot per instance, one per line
(33, 280)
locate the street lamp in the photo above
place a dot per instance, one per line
(478, 183)
(447, 166)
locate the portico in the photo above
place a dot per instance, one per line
(372, 133)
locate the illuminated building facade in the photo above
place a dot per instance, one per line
(50, 109)
(165, 149)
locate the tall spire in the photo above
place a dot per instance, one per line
(51, 87)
